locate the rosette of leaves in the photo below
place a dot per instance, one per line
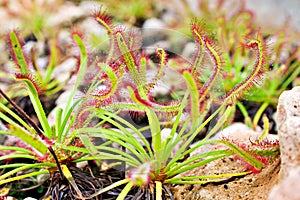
(26, 63)
(154, 167)
(43, 149)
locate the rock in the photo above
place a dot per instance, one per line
(288, 123)
(10, 198)
(61, 102)
(30, 198)
(63, 70)
(161, 89)
(153, 23)
(66, 14)
(189, 50)
(288, 188)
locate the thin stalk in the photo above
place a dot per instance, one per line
(114, 185)
(19, 177)
(27, 118)
(158, 187)
(125, 191)
(259, 113)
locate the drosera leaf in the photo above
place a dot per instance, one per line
(265, 130)
(52, 62)
(217, 69)
(259, 114)
(22, 168)
(256, 75)
(69, 177)
(33, 141)
(247, 119)
(243, 154)
(19, 177)
(16, 149)
(125, 191)
(82, 69)
(162, 55)
(130, 63)
(194, 95)
(203, 179)
(155, 130)
(30, 78)
(104, 20)
(143, 69)
(195, 158)
(12, 114)
(196, 31)
(158, 187)
(190, 137)
(147, 103)
(16, 155)
(62, 131)
(114, 185)
(17, 52)
(113, 83)
(185, 166)
(38, 108)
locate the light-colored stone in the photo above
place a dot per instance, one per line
(288, 123)
(289, 188)
(153, 23)
(30, 198)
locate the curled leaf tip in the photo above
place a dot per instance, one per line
(104, 19)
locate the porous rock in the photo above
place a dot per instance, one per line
(288, 188)
(288, 123)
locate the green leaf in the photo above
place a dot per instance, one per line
(39, 110)
(80, 75)
(14, 115)
(193, 90)
(114, 185)
(18, 52)
(156, 136)
(130, 63)
(214, 156)
(22, 168)
(203, 179)
(243, 154)
(19, 177)
(170, 172)
(62, 131)
(31, 140)
(125, 191)
(13, 148)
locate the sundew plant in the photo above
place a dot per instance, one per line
(45, 149)
(232, 27)
(121, 85)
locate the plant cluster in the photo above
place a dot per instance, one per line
(153, 164)
(43, 149)
(121, 83)
(231, 24)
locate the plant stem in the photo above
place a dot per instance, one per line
(27, 118)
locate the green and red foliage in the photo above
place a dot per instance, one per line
(122, 85)
(120, 82)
